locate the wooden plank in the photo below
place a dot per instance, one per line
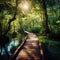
(31, 49)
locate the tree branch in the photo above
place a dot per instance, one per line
(14, 17)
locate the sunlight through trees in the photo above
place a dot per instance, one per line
(41, 17)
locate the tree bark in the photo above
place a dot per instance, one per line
(45, 19)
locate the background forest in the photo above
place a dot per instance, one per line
(41, 17)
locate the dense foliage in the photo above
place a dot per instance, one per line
(41, 17)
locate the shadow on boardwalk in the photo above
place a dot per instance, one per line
(30, 50)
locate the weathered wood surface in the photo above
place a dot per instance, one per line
(30, 50)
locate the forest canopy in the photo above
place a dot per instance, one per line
(38, 16)
(41, 17)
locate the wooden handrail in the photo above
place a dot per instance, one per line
(20, 47)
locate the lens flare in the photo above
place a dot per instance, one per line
(25, 6)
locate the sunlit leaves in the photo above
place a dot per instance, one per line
(34, 17)
(58, 21)
(31, 17)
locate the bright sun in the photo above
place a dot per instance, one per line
(24, 6)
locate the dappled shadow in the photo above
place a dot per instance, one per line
(30, 50)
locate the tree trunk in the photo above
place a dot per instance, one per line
(45, 19)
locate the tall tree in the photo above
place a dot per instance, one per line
(4, 39)
(45, 19)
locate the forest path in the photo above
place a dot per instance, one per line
(30, 50)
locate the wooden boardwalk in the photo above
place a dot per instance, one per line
(30, 50)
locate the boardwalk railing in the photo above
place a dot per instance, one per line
(20, 47)
(29, 49)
